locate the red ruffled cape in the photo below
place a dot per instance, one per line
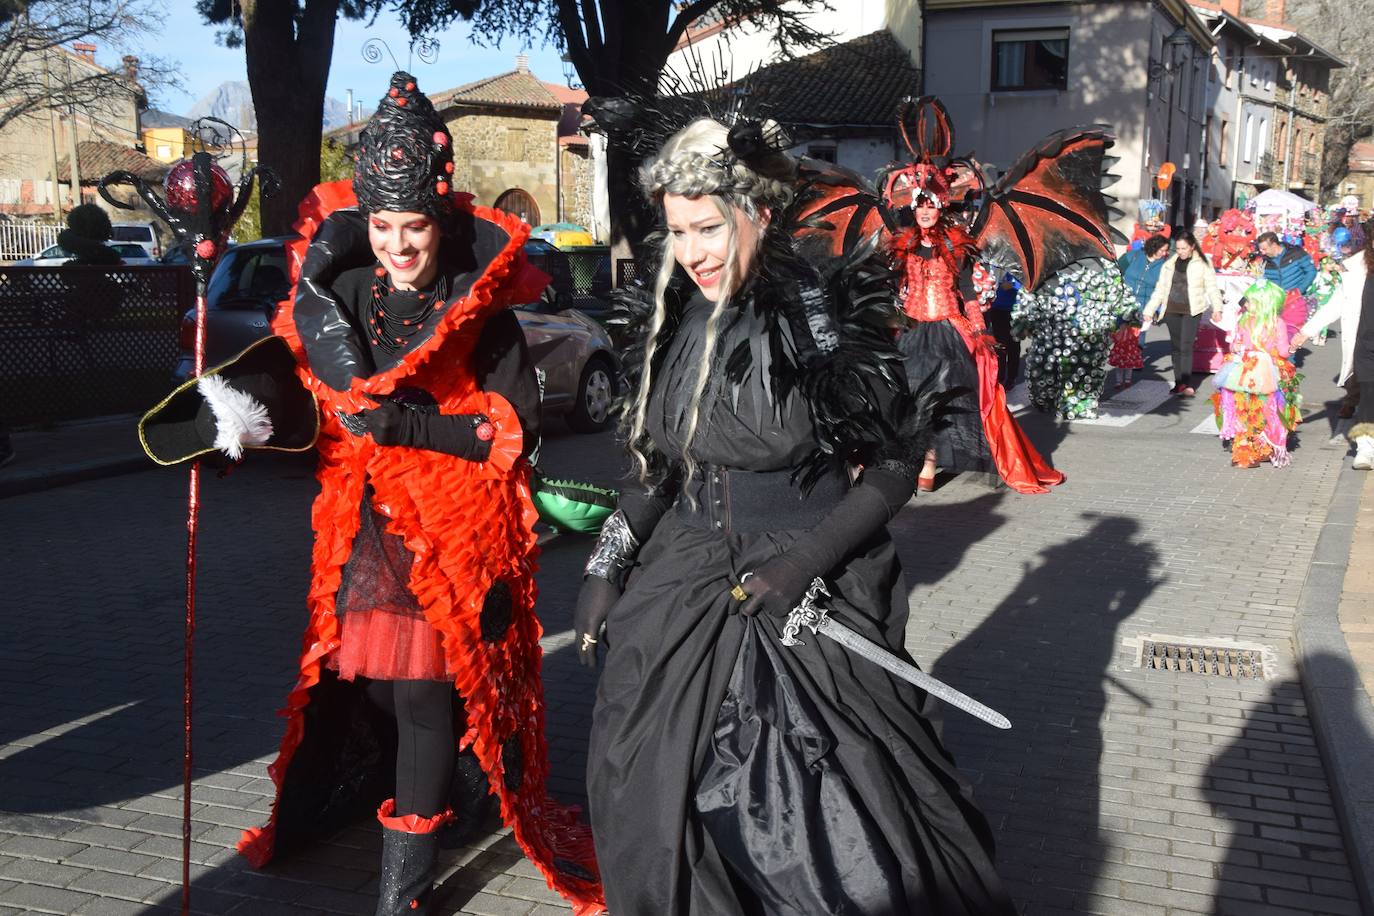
(469, 525)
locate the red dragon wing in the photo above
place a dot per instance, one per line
(1049, 209)
(833, 206)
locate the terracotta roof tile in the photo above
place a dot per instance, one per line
(99, 158)
(858, 82)
(517, 89)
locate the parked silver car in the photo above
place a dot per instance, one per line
(130, 253)
(574, 353)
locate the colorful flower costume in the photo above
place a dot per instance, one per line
(1257, 401)
(1071, 320)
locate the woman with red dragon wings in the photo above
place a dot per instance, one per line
(419, 687)
(1046, 212)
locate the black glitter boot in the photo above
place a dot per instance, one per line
(410, 844)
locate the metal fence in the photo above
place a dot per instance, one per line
(24, 240)
(80, 341)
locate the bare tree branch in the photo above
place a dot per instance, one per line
(39, 71)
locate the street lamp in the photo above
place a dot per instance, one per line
(570, 72)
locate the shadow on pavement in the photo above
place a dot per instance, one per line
(1286, 848)
(1041, 658)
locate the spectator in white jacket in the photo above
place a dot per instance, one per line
(1343, 306)
(1187, 287)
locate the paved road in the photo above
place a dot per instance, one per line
(1118, 790)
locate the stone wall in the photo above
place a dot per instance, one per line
(497, 150)
(578, 175)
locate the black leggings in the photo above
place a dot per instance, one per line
(425, 741)
(1182, 336)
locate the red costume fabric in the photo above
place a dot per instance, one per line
(468, 525)
(931, 293)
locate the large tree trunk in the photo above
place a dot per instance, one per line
(625, 60)
(288, 67)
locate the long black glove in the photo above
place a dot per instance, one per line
(637, 514)
(778, 584)
(594, 602)
(453, 434)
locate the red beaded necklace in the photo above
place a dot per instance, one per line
(389, 331)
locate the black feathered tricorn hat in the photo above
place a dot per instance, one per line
(255, 400)
(405, 155)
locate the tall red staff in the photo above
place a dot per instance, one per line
(199, 204)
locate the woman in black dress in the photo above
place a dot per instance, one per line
(726, 773)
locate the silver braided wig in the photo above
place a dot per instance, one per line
(697, 161)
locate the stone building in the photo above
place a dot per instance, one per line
(1273, 109)
(1302, 102)
(31, 146)
(1359, 180)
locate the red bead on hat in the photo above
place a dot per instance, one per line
(442, 188)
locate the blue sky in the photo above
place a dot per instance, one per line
(187, 40)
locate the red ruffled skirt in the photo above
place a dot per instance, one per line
(383, 631)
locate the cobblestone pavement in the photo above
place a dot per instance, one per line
(1118, 790)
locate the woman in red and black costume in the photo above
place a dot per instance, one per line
(422, 648)
(934, 260)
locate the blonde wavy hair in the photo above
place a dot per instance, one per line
(697, 162)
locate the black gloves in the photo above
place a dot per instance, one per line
(594, 602)
(777, 586)
(637, 514)
(453, 434)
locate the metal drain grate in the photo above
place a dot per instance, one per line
(1219, 661)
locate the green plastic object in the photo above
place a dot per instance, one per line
(568, 505)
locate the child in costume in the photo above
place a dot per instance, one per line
(1126, 355)
(1257, 402)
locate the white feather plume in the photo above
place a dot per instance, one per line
(239, 419)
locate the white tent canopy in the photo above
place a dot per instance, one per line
(1283, 202)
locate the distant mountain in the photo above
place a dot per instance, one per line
(233, 102)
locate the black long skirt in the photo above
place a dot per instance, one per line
(925, 346)
(730, 774)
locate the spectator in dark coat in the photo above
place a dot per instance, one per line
(88, 229)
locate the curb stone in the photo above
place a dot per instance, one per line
(1341, 712)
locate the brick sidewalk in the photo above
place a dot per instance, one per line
(1118, 790)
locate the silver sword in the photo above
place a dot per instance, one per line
(810, 613)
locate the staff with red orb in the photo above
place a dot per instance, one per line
(200, 207)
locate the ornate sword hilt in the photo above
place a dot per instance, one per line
(808, 613)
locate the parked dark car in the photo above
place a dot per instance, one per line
(573, 352)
